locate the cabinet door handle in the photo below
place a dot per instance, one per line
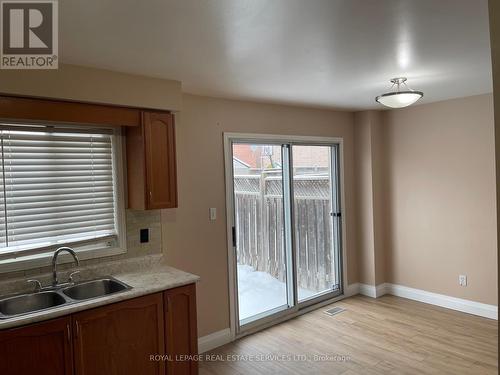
(77, 334)
(69, 332)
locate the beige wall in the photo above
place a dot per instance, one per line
(80, 83)
(379, 196)
(494, 12)
(364, 228)
(440, 204)
(369, 214)
(191, 241)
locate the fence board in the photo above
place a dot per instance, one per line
(260, 233)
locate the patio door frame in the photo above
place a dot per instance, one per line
(281, 314)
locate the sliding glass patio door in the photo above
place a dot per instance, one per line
(259, 229)
(285, 217)
(316, 214)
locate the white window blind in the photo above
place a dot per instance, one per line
(57, 187)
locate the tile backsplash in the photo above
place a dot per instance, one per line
(135, 221)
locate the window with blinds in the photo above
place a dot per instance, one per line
(56, 187)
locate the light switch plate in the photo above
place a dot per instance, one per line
(213, 213)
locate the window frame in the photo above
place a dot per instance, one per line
(44, 259)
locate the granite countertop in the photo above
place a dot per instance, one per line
(145, 275)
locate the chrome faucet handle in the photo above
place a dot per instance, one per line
(71, 278)
(37, 283)
(69, 250)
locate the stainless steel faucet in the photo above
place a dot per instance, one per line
(55, 281)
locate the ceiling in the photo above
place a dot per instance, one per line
(331, 53)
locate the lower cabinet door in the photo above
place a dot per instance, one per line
(181, 333)
(121, 338)
(42, 349)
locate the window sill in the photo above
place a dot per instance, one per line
(45, 259)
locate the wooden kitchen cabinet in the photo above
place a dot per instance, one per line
(120, 338)
(42, 349)
(181, 330)
(114, 339)
(151, 162)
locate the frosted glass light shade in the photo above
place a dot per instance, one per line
(399, 99)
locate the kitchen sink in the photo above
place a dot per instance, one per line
(59, 295)
(27, 303)
(94, 289)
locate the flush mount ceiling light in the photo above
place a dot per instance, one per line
(399, 98)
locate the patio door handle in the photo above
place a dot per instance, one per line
(233, 229)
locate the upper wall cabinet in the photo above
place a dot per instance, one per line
(151, 163)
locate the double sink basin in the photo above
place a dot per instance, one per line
(46, 299)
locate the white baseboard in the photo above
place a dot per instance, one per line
(372, 291)
(382, 289)
(459, 304)
(368, 290)
(214, 340)
(454, 303)
(351, 290)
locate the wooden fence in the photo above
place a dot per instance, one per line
(260, 228)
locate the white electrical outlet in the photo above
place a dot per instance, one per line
(462, 280)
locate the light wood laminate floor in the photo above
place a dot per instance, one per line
(388, 335)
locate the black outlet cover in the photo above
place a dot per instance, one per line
(144, 235)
